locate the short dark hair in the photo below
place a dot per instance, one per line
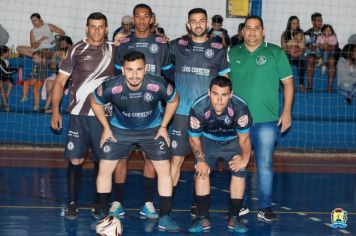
(241, 26)
(133, 56)
(97, 16)
(315, 15)
(37, 15)
(66, 38)
(221, 81)
(142, 5)
(255, 18)
(347, 51)
(3, 50)
(217, 19)
(197, 10)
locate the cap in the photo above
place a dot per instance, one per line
(126, 19)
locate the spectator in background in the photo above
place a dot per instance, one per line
(328, 45)
(39, 73)
(237, 39)
(346, 73)
(155, 26)
(312, 54)
(5, 76)
(293, 43)
(4, 36)
(41, 37)
(217, 33)
(126, 27)
(63, 45)
(352, 39)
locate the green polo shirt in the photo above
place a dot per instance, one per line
(256, 78)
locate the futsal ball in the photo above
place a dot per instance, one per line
(109, 226)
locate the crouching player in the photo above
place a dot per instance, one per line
(219, 124)
(136, 120)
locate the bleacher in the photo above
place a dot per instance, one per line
(321, 120)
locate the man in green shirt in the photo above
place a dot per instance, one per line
(257, 68)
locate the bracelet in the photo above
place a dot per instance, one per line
(163, 127)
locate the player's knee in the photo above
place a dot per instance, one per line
(177, 161)
(77, 162)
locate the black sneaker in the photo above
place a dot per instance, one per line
(348, 101)
(95, 211)
(194, 213)
(71, 212)
(266, 214)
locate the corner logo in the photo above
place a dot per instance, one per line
(261, 60)
(338, 218)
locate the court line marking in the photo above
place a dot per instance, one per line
(178, 210)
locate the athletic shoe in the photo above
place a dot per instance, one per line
(244, 211)
(165, 223)
(95, 211)
(266, 214)
(235, 225)
(194, 213)
(149, 211)
(201, 225)
(348, 100)
(36, 108)
(116, 209)
(71, 212)
(24, 99)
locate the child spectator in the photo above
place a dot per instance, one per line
(39, 73)
(5, 76)
(346, 73)
(327, 43)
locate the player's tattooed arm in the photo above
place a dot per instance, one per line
(197, 149)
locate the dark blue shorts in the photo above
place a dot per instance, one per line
(179, 135)
(155, 150)
(84, 132)
(225, 150)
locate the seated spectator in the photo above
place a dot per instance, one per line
(237, 39)
(155, 26)
(352, 39)
(328, 46)
(126, 27)
(4, 36)
(5, 76)
(312, 54)
(293, 42)
(63, 44)
(41, 37)
(39, 73)
(217, 33)
(346, 73)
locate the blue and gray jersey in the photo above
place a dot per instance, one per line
(203, 119)
(155, 49)
(135, 109)
(196, 64)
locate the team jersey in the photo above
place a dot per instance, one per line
(89, 66)
(196, 64)
(203, 119)
(155, 49)
(135, 109)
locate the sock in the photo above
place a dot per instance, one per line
(73, 180)
(148, 188)
(174, 192)
(165, 205)
(194, 197)
(95, 194)
(235, 206)
(104, 202)
(118, 191)
(203, 204)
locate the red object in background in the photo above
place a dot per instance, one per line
(20, 76)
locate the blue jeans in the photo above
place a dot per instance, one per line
(263, 138)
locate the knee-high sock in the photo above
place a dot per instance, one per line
(73, 179)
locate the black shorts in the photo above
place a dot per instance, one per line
(8, 78)
(155, 150)
(179, 135)
(84, 132)
(225, 150)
